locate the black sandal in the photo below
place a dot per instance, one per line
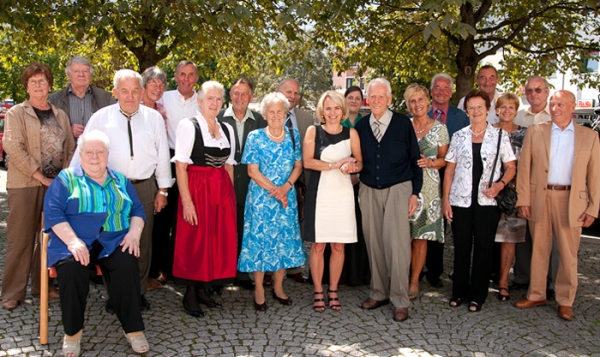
(455, 302)
(474, 307)
(318, 308)
(336, 306)
(503, 297)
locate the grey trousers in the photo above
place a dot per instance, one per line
(387, 237)
(146, 191)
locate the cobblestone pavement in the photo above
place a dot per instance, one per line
(433, 329)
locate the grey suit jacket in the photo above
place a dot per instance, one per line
(304, 120)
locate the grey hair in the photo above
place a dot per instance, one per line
(274, 98)
(382, 81)
(93, 135)
(442, 76)
(210, 85)
(78, 60)
(127, 74)
(185, 63)
(283, 82)
(153, 73)
(537, 77)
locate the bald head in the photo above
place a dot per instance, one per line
(562, 105)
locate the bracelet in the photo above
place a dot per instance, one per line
(291, 184)
(504, 183)
(432, 162)
(330, 166)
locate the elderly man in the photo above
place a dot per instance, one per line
(140, 151)
(487, 80)
(536, 92)
(243, 121)
(301, 120)
(558, 187)
(455, 119)
(80, 100)
(390, 184)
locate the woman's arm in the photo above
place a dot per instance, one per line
(189, 210)
(357, 165)
(510, 169)
(439, 162)
(76, 246)
(448, 178)
(308, 154)
(229, 169)
(131, 241)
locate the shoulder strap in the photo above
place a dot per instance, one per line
(496, 160)
(194, 121)
(226, 131)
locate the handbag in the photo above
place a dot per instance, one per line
(506, 199)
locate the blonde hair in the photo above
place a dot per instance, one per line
(414, 88)
(338, 99)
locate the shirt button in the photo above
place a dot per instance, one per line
(377, 178)
(378, 155)
(377, 166)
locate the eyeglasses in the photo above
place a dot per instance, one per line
(477, 108)
(538, 90)
(39, 82)
(82, 72)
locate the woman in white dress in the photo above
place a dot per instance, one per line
(332, 152)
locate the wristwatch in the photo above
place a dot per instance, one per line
(164, 193)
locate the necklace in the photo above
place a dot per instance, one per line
(210, 130)
(477, 134)
(273, 136)
(424, 127)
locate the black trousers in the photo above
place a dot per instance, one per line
(122, 277)
(474, 230)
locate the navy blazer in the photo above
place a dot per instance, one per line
(456, 119)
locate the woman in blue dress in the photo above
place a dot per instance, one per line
(271, 241)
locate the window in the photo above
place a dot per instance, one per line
(349, 82)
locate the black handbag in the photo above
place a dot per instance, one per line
(506, 199)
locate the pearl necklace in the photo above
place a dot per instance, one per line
(424, 127)
(273, 136)
(477, 134)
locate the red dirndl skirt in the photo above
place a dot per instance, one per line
(207, 252)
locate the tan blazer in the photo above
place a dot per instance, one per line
(532, 174)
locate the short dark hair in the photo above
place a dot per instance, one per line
(487, 66)
(474, 93)
(354, 89)
(34, 69)
(245, 81)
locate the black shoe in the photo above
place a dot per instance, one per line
(145, 304)
(260, 307)
(287, 301)
(203, 298)
(195, 311)
(518, 286)
(550, 295)
(244, 284)
(109, 307)
(436, 283)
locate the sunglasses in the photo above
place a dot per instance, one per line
(538, 90)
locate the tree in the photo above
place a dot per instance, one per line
(412, 40)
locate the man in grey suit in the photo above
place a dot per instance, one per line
(243, 121)
(455, 119)
(301, 120)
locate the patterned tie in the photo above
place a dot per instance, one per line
(438, 114)
(288, 121)
(376, 130)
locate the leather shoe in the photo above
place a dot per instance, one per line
(565, 312)
(53, 293)
(400, 313)
(203, 298)
(371, 304)
(268, 280)
(282, 301)
(550, 295)
(195, 311)
(260, 307)
(144, 303)
(298, 277)
(10, 304)
(526, 303)
(518, 286)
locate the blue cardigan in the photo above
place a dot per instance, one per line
(394, 159)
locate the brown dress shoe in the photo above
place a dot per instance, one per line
(400, 313)
(526, 303)
(298, 277)
(53, 293)
(565, 312)
(10, 304)
(371, 304)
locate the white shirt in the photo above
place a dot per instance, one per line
(492, 117)
(384, 122)
(150, 149)
(526, 118)
(562, 155)
(177, 108)
(186, 135)
(460, 153)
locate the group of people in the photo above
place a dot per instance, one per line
(376, 192)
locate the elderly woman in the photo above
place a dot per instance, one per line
(427, 222)
(205, 242)
(94, 216)
(271, 241)
(332, 152)
(511, 228)
(155, 82)
(468, 200)
(38, 139)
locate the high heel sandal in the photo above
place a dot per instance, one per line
(474, 307)
(336, 306)
(138, 341)
(455, 302)
(413, 294)
(503, 297)
(318, 308)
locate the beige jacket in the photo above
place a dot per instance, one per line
(22, 144)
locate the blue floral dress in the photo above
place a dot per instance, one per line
(271, 238)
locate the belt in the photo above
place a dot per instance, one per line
(139, 181)
(559, 187)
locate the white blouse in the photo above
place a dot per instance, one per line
(186, 135)
(460, 153)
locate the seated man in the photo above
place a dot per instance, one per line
(94, 216)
